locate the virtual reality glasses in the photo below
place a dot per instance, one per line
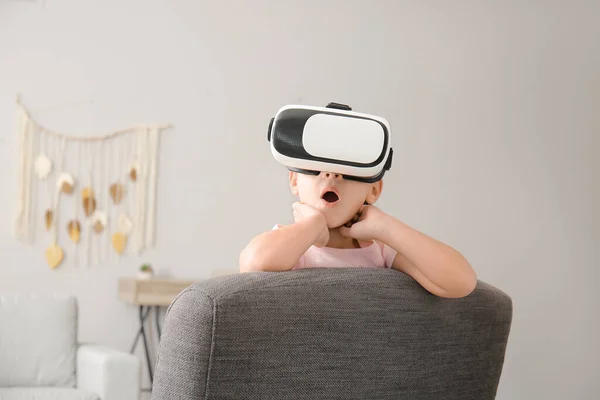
(334, 139)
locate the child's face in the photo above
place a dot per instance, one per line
(337, 198)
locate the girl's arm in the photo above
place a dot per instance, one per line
(438, 267)
(280, 249)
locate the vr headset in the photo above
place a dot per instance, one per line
(335, 139)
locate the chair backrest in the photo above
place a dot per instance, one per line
(351, 333)
(38, 340)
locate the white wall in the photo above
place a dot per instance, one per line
(495, 108)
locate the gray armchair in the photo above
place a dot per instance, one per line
(352, 333)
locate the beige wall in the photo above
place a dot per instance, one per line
(495, 109)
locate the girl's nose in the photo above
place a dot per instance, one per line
(331, 175)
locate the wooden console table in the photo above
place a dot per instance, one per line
(148, 294)
(151, 292)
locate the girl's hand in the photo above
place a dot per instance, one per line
(368, 224)
(304, 212)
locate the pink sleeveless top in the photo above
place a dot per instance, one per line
(373, 255)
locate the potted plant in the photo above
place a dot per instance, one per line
(146, 272)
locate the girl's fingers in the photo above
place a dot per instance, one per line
(345, 231)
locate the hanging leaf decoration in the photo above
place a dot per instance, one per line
(119, 241)
(99, 220)
(89, 202)
(43, 166)
(44, 154)
(54, 255)
(133, 172)
(66, 188)
(74, 229)
(49, 216)
(87, 192)
(98, 227)
(117, 191)
(89, 206)
(66, 183)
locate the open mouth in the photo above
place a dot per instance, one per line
(330, 197)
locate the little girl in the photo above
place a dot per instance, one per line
(336, 226)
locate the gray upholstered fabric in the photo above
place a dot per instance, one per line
(331, 334)
(45, 393)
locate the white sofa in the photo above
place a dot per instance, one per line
(41, 359)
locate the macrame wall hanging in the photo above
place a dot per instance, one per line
(92, 197)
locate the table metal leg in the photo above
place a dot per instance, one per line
(137, 336)
(145, 312)
(143, 331)
(157, 316)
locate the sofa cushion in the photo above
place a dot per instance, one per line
(45, 393)
(38, 341)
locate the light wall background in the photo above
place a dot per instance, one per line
(495, 110)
